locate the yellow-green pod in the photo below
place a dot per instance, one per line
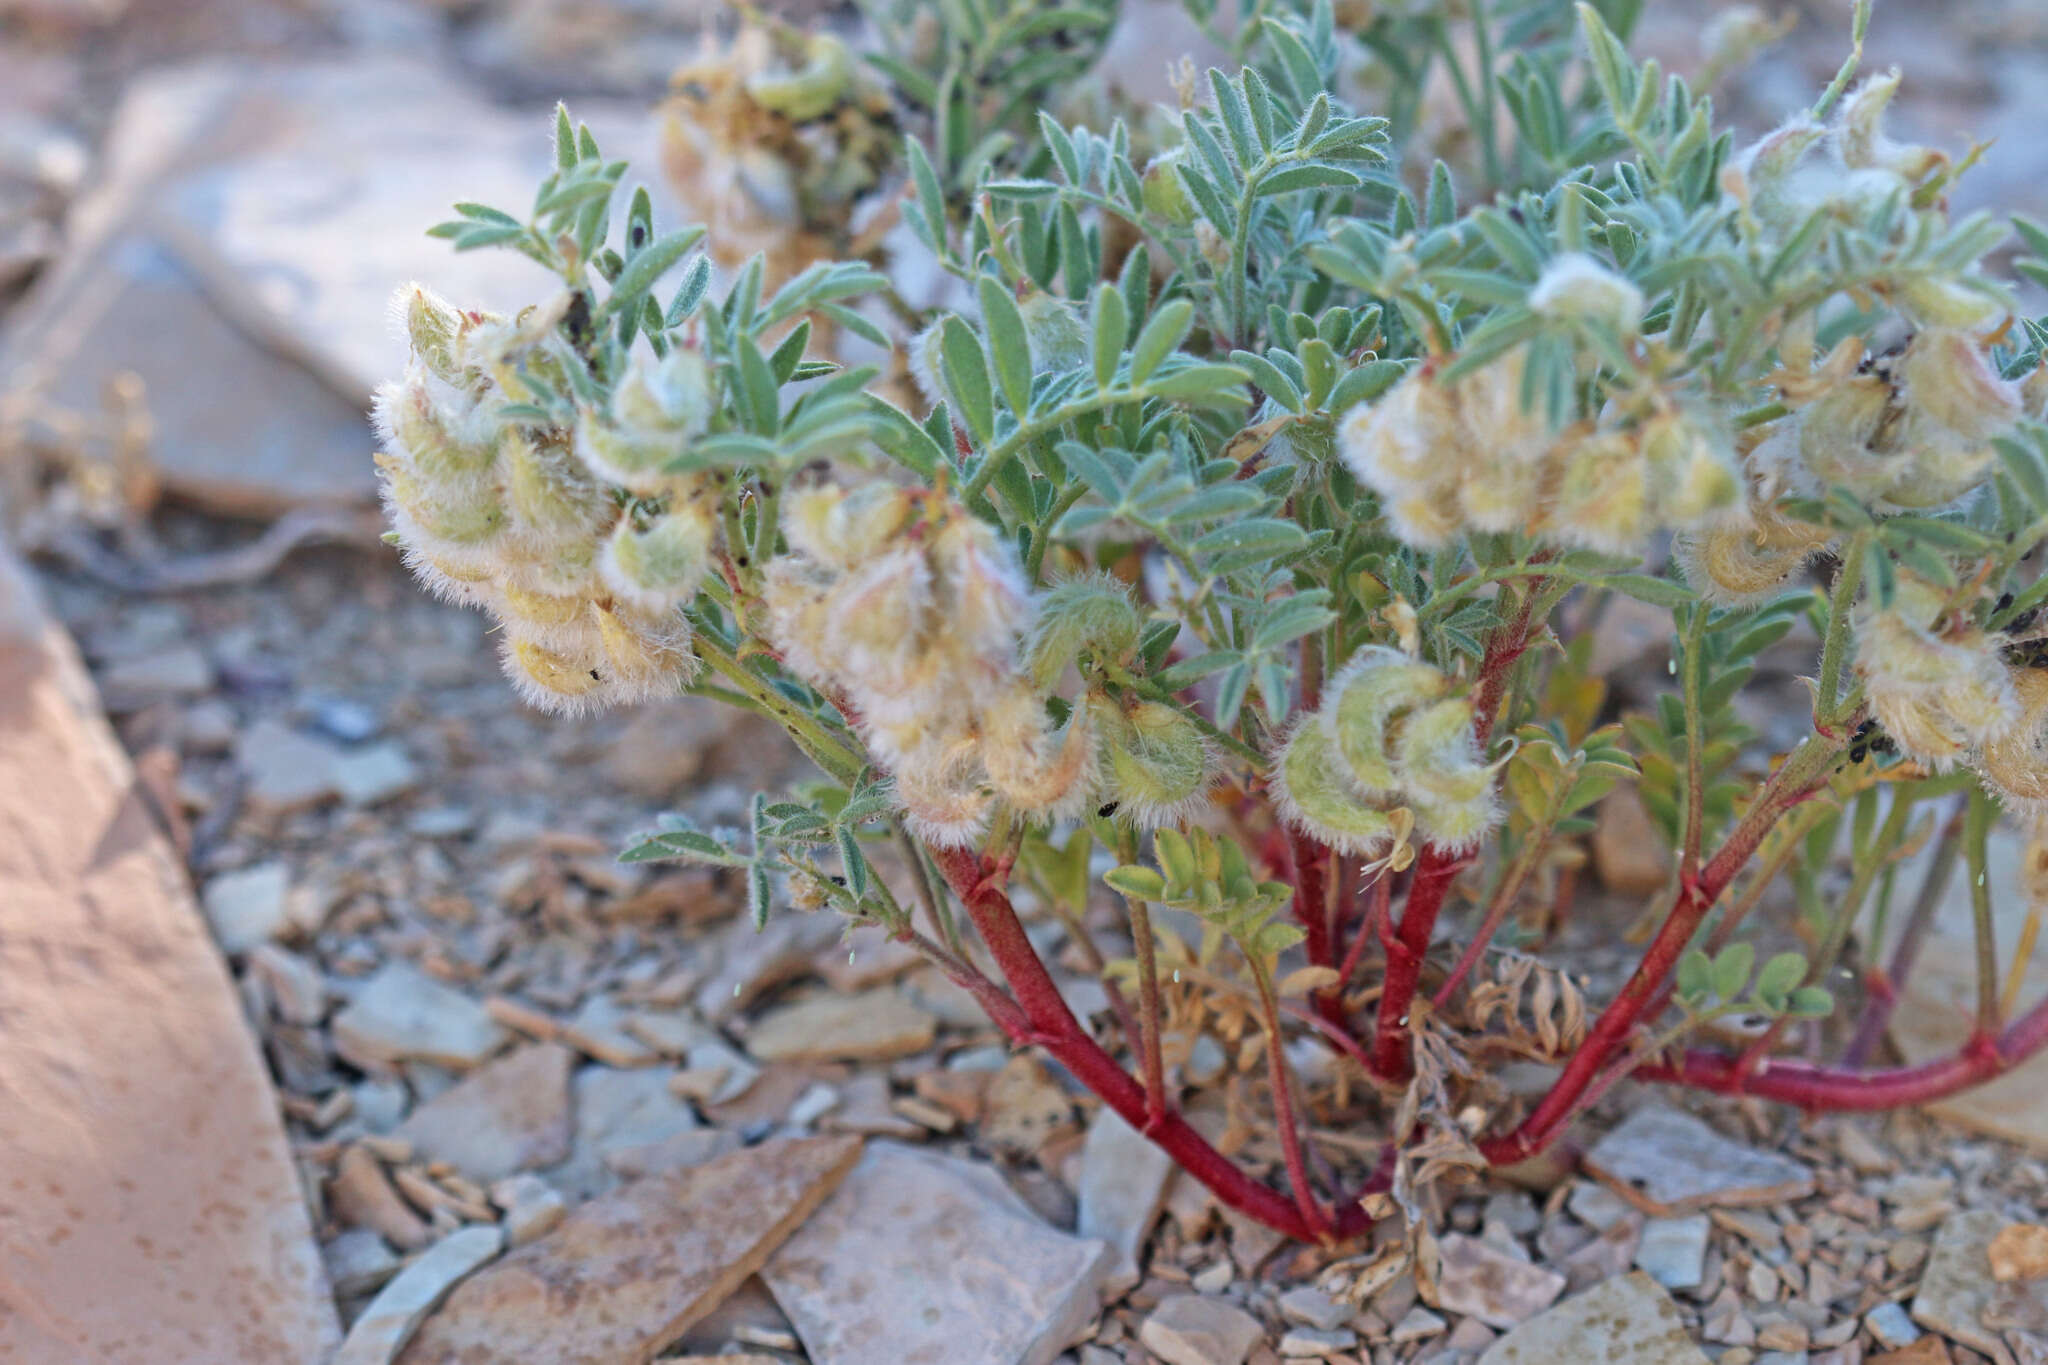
(1368, 694)
(662, 565)
(1314, 793)
(1155, 762)
(550, 494)
(811, 90)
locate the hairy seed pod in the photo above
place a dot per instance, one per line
(1744, 559)
(1060, 338)
(1860, 140)
(1601, 498)
(1405, 444)
(445, 520)
(1088, 614)
(943, 806)
(1165, 195)
(552, 498)
(1948, 375)
(660, 567)
(1691, 468)
(1939, 688)
(1374, 690)
(2015, 766)
(1046, 772)
(551, 680)
(981, 587)
(812, 89)
(1314, 793)
(1156, 763)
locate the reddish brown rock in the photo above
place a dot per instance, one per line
(150, 1206)
(628, 1273)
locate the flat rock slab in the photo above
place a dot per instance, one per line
(1934, 1019)
(1627, 1320)
(1123, 1186)
(1666, 1162)
(874, 1025)
(511, 1114)
(402, 1014)
(151, 1207)
(627, 1273)
(1479, 1280)
(1958, 1296)
(240, 247)
(1193, 1329)
(922, 1257)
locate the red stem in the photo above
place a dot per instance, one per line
(1611, 1032)
(1312, 912)
(1984, 1057)
(1048, 1023)
(1434, 872)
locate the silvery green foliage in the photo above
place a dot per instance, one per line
(1246, 440)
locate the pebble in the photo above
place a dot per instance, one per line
(1597, 1206)
(873, 1025)
(1309, 1343)
(1479, 1280)
(1668, 1162)
(1121, 1191)
(1214, 1277)
(532, 1207)
(1673, 1251)
(816, 1102)
(361, 1195)
(287, 770)
(1891, 1326)
(401, 1013)
(395, 1314)
(1417, 1324)
(1925, 1351)
(129, 685)
(207, 726)
(372, 776)
(248, 906)
(620, 1114)
(599, 1030)
(630, 1271)
(1023, 1107)
(343, 718)
(1628, 1320)
(298, 992)
(1311, 1307)
(2019, 1252)
(1629, 855)
(1191, 1329)
(358, 1263)
(921, 1256)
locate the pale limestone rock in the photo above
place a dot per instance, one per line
(921, 1256)
(510, 1114)
(402, 1014)
(1190, 1329)
(1123, 1186)
(248, 906)
(1958, 1296)
(1628, 1320)
(1668, 1162)
(1673, 1251)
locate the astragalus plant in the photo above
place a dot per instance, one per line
(1200, 560)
